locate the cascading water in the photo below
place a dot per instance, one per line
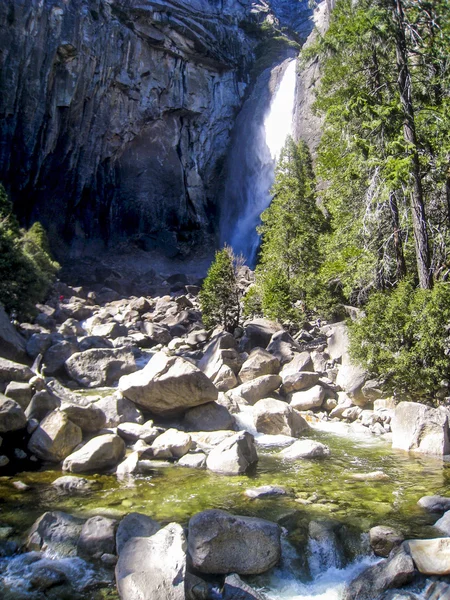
(259, 138)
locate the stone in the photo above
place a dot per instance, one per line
(207, 440)
(420, 428)
(100, 366)
(344, 402)
(71, 483)
(131, 432)
(128, 467)
(438, 590)
(153, 567)
(260, 362)
(221, 350)
(56, 356)
(225, 379)
(134, 525)
(255, 390)
(168, 385)
(372, 582)
(431, 557)
(258, 333)
(275, 417)
(221, 543)
(351, 378)
(303, 449)
(19, 392)
(236, 589)
(55, 438)
(89, 417)
(38, 343)
(302, 361)
(110, 330)
(118, 409)
(12, 371)
(338, 343)
(309, 399)
(283, 347)
(300, 380)
(208, 417)
(443, 524)
(384, 539)
(42, 404)
(172, 444)
(56, 532)
(158, 334)
(435, 503)
(12, 344)
(97, 537)
(234, 455)
(265, 491)
(193, 461)
(12, 417)
(100, 453)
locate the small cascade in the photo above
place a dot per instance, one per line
(259, 137)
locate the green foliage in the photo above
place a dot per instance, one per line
(26, 267)
(404, 337)
(220, 294)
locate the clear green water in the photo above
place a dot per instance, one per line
(318, 489)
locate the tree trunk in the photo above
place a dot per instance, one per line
(409, 133)
(398, 242)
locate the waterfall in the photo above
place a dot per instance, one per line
(261, 130)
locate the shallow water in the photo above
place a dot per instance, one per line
(318, 490)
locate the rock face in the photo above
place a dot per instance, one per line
(168, 385)
(420, 428)
(222, 543)
(153, 567)
(100, 453)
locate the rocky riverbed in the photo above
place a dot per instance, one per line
(116, 405)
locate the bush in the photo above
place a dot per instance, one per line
(220, 294)
(404, 338)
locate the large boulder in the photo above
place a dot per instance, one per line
(220, 351)
(172, 444)
(302, 361)
(258, 332)
(13, 371)
(12, 416)
(234, 455)
(118, 409)
(12, 344)
(351, 378)
(168, 385)
(42, 403)
(153, 567)
(276, 417)
(20, 392)
(208, 417)
(102, 452)
(260, 362)
(295, 381)
(55, 438)
(431, 557)
(222, 543)
(56, 532)
(97, 537)
(134, 525)
(56, 356)
(443, 524)
(236, 589)
(338, 343)
(255, 390)
(100, 366)
(420, 428)
(308, 399)
(303, 449)
(383, 539)
(283, 347)
(372, 582)
(89, 418)
(435, 504)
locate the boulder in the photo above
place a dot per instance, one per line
(255, 390)
(134, 525)
(265, 491)
(42, 404)
(55, 438)
(221, 350)
(222, 543)
(443, 524)
(19, 392)
(56, 532)
(55, 357)
(438, 590)
(309, 399)
(100, 366)
(435, 504)
(305, 449)
(234, 455)
(132, 432)
(258, 332)
(207, 440)
(276, 417)
(297, 381)
(93, 341)
(38, 343)
(97, 537)
(283, 347)
(193, 461)
(12, 344)
(89, 417)
(236, 589)
(109, 330)
(420, 428)
(372, 582)
(344, 402)
(118, 409)
(383, 539)
(168, 385)
(153, 567)
(260, 362)
(302, 361)
(171, 444)
(431, 557)
(157, 334)
(225, 379)
(338, 343)
(12, 371)
(12, 416)
(71, 483)
(208, 417)
(351, 378)
(102, 452)
(130, 466)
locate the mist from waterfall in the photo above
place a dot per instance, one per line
(260, 135)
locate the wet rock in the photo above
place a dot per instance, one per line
(118, 409)
(255, 390)
(153, 567)
(19, 392)
(55, 438)
(420, 428)
(134, 525)
(434, 503)
(168, 385)
(12, 371)
(236, 589)
(304, 449)
(431, 557)
(89, 418)
(12, 417)
(220, 542)
(309, 399)
(172, 444)
(71, 483)
(56, 532)
(234, 455)
(45, 576)
(260, 362)
(275, 417)
(12, 344)
(98, 536)
(438, 590)
(100, 453)
(208, 417)
(383, 539)
(265, 491)
(100, 366)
